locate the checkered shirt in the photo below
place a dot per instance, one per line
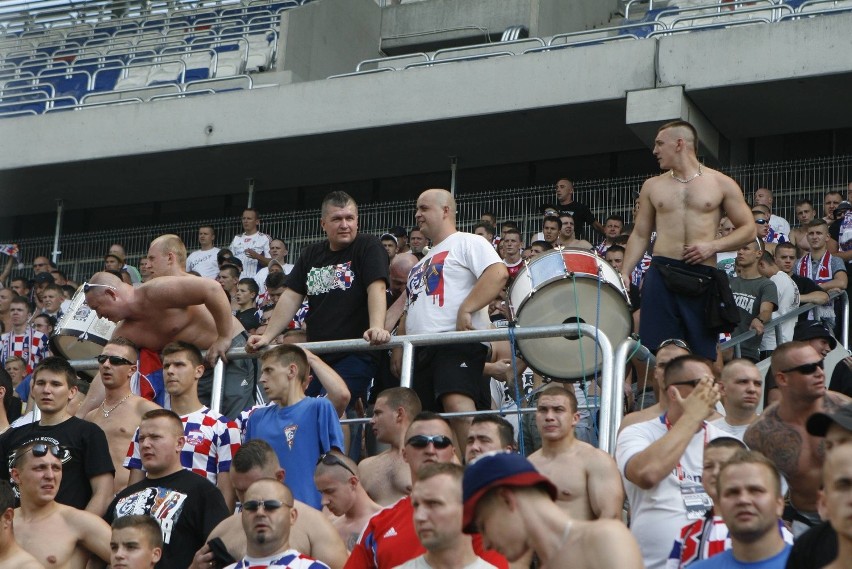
(31, 346)
(290, 559)
(211, 442)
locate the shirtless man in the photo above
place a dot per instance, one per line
(11, 554)
(805, 213)
(780, 431)
(167, 309)
(513, 507)
(312, 534)
(567, 237)
(684, 206)
(121, 411)
(587, 478)
(56, 535)
(336, 477)
(386, 477)
(167, 257)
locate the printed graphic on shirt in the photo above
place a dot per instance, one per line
(326, 279)
(163, 504)
(429, 278)
(290, 435)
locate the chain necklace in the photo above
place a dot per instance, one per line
(688, 180)
(116, 406)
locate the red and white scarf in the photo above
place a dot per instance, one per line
(805, 268)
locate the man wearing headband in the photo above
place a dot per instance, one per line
(512, 506)
(780, 432)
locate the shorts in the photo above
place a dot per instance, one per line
(456, 368)
(239, 387)
(357, 370)
(668, 315)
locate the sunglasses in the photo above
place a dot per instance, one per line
(41, 449)
(331, 460)
(675, 342)
(114, 360)
(89, 286)
(805, 369)
(761, 221)
(422, 441)
(267, 505)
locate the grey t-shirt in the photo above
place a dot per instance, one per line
(748, 296)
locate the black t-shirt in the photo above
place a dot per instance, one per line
(335, 283)
(249, 318)
(89, 450)
(841, 379)
(187, 507)
(815, 548)
(581, 213)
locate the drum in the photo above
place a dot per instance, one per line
(81, 334)
(567, 286)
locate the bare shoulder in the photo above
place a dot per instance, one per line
(227, 527)
(143, 405)
(80, 522)
(834, 401)
(311, 518)
(22, 560)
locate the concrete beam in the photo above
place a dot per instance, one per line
(648, 109)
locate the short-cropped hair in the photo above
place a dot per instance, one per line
(147, 524)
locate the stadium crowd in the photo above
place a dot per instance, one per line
(715, 463)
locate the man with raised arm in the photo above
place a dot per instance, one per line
(684, 206)
(586, 478)
(780, 432)
(167, 309)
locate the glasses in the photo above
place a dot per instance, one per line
(422, 441)
(805, 369)
(689, 382)
(41, 449)
(331, 460)
(114, 360)
(268, 505)
(761, 221)
(89, 286)
(675, 342)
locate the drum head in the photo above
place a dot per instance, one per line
(564, 301)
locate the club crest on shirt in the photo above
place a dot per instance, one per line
(290, 435)
(428, 277)
(326, 279)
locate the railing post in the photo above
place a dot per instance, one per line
(845, 331)
(621, 354)
(54, 255)
(407, 364)
(218, 379)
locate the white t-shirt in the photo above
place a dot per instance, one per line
(420, 563)
(788, 299)
(440, 282)
(736, 431)
(204, 263)
(658, 514)
(260, 276)
(779, 224)
(259, 242)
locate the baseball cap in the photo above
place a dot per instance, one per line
(389, 236)
(398, 231)
(811, 330)
(818, 423)
(841, 207)
(497, 469)
(44, 278)
(114, 256)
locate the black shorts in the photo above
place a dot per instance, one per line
(456, 368)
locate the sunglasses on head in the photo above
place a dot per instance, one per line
(268, 505)
(805, 369)
(422, 441)
(114, 360)
(89, 286)
(41, 449)
(675, 342)
(331, 460)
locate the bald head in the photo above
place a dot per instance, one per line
(400, 266)
(436, 214)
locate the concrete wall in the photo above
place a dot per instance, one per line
(328, 37)
(551, 17)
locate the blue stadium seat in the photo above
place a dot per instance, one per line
(72, 83)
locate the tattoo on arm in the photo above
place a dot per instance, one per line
(778, 441)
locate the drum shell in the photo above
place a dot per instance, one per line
(81, 334)
(564, 286)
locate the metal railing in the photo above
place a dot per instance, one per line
(611, 376)
(775, 323)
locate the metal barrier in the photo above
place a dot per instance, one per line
(611, 378)
(737, 341)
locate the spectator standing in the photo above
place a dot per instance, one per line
(788, 300)
(203, 261)
(23, 340)
(251, 246)
(764, 197)
(579, 211)
(755, 296)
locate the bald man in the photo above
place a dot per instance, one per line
(449, 289)
(167, 256)
(684, 206)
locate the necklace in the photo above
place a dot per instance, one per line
(688, 180)
(116, 406)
